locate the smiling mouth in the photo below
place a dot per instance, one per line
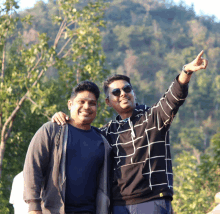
(85, 113)
(124, 100)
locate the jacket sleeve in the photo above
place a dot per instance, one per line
(165, 110)
(35, 167)
(103, 191)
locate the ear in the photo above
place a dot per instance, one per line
(69, 104)
(108, 102)
(134, 96)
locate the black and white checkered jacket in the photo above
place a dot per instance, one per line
(142, 160)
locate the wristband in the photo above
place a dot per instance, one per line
(186, 72)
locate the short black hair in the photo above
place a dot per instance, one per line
(85, 86)
(113, 78)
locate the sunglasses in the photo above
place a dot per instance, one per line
(117, 91)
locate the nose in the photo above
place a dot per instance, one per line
(86, 105)
(122, 93)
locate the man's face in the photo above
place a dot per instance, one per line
(123, 102)
(83, 108)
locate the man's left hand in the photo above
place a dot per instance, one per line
(197, 64)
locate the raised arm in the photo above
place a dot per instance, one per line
(164, 111)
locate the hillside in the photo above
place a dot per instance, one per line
(151, 41)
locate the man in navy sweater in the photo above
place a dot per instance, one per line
(66, 167)
(139, 136)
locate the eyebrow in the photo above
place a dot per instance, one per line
(83, 99)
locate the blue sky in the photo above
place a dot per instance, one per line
(202, 7)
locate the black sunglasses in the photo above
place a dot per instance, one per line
(117, 91)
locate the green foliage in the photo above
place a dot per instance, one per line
(195, 185)
(215, 148)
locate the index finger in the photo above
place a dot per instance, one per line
(200, 54)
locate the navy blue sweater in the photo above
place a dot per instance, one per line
(84, 157)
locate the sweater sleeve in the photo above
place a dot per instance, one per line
(35, 167)
(165, 110)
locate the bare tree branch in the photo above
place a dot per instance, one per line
(1, 119)
(66, 54)
(71, 23)
(38, 61)
(62, 28)
(12, 116)
(65, 45)
(77, 75)
(7, 135)
(82, 46)
(31, 101)
(3, 62)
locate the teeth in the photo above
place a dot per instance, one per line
(84, 113)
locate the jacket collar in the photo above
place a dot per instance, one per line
(136, 111)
